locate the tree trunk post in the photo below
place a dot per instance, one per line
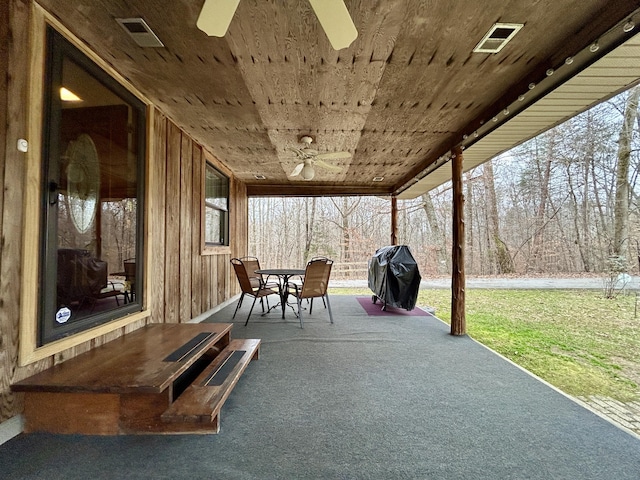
(394, 220)
(458, 320)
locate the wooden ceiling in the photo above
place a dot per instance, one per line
(402, 95)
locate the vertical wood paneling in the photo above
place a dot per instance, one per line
(4, 73)
(196, 233)
(219, 279)
(172, 226)
(132, 327)
(215, 280)
(13, 59)
(186, 221)
(157, 206)
(207, 282)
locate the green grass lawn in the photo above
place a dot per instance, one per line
(579, 341)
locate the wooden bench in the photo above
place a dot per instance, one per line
(134, 383)
(201, 402)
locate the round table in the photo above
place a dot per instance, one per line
(283, 274)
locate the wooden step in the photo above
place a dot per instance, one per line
(201, 402)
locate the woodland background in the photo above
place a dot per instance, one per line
(564, 202)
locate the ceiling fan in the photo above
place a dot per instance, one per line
(333, 15)
(311, 158)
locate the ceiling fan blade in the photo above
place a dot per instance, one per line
(216, 16)
(297, 170)
(336, 22)
(327, 166)
(333, 156)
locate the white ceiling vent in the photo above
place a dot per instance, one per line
(497, 37)
(140, 32)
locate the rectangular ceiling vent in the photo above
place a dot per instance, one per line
(141, 33)
(497, 37)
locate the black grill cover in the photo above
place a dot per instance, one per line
(394, 277)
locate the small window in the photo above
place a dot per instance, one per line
(216, 207)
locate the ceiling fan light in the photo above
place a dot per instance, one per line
(307, 172)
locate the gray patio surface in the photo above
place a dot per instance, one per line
(388, 397)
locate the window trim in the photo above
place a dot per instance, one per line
(29, 352)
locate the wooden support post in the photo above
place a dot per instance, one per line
(458, 320)
(394, 221)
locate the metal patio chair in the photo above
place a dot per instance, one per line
(250, 284)
(314, 285)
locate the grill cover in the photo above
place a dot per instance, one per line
(394, 277)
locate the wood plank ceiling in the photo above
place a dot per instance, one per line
(402, 95)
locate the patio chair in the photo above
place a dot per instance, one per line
(251, 285)
(315, 283)
(251, 265)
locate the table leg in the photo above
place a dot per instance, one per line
(282, 298)
(283, 293)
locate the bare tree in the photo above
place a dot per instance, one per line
(621, 210)
(310, 211)
(434, 228)
(500, 252)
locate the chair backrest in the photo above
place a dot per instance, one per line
(316, 278)
(243, 276)
(251, 264)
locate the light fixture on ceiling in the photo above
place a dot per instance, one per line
(140, 32)
(568, 60)
(594, 47)
(497, 37)
(258, 176)
(378, 179)
(307, 172)
(628, 26)
(67, 95)
(550, 72)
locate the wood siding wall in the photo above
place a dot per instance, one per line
(187, 283)
(182, 282)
